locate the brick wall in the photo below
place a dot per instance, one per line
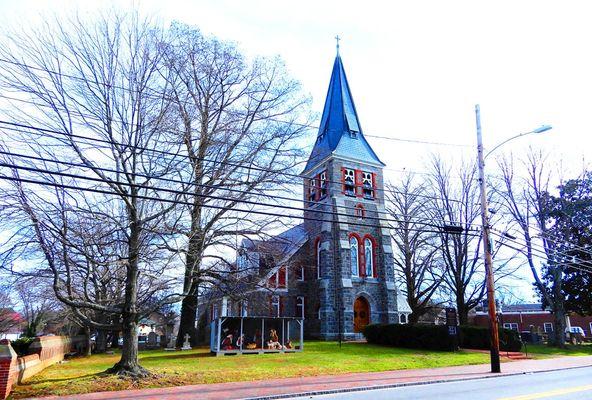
(8, 368)
(45, 351)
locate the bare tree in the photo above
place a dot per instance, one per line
(455, 206)
(524, 202)
(237, 125)
(9, 318)
(38, 307)
(101, 211)
(415, 261)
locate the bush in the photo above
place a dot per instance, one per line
(477, 337)
(21, 345)
(428, 337)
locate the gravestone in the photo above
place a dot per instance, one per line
(171, 345)
(186, 344)
(151, 343)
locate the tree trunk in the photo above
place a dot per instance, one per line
(462, 311)
(187, 320)
(88, 349)
(101, 341)
(114, 339)
(413, 318)
(188, 317)
(558, 310)
(128, 365)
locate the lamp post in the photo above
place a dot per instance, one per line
(490, 282)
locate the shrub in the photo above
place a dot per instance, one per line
(21, 345)
(477, 337)
(428, 337)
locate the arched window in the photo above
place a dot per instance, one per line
(318, 251)
(354, 247)
(403, 319)
(369, 257)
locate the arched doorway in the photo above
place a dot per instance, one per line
(361, 314)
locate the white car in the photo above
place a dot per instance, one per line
(575, 330)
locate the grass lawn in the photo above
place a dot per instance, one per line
(544, 351)
(83, 375)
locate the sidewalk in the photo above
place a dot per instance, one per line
(319, 384)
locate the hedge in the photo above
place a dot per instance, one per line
(429, 337)
(477, 337)
(436, 337)
(21, 345)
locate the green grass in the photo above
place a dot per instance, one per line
(83, 375)
(544, 351)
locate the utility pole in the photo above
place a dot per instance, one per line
(493, 325)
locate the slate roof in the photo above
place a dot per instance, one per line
(525, 307)
(340, 132)
(284, 244)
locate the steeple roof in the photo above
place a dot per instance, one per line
(340, 132)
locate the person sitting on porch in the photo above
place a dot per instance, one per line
(227, 343)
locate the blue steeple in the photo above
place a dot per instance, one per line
(340, 132)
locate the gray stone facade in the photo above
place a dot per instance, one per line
(321, 245)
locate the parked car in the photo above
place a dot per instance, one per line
(575, 330)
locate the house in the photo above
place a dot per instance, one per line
(335, 270)
(530, 317)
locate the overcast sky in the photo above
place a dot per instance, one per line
(416, 68)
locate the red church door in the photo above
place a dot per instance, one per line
(361, 314)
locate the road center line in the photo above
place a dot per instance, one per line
(549, 393)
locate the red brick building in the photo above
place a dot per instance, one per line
(530, 317)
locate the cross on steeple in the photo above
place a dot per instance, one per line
(337, 38)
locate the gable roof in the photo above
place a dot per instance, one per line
(340, 132)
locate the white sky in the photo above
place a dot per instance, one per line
(416, 68)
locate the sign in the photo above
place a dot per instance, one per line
(451, 320)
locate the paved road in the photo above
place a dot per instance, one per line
(572, 384)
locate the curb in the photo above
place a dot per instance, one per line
(403, 384)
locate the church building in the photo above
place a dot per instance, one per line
(335, 270)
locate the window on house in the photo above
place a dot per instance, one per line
(548, 327)
(299, 271)
(349, 182)
(359, 211)
(367, 185)
(323, 184)
(312, 190)
(319, 272)
(214, 312)
(300, 307)
(511, 325)
(369, 257)
(403, 319)
(275, 306)
(244, 306)
(354, 247)
(318, 313)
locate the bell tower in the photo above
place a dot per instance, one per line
(346, 223)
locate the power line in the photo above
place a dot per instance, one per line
(161, 97)
(412, 220)
(47, 132)
(208, 196)
(543, 253)
(143, 197)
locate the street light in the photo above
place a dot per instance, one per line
(493, 325)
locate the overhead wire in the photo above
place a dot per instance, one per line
(411, 220)
(176, 201)
(48, 133)
(160, 97)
